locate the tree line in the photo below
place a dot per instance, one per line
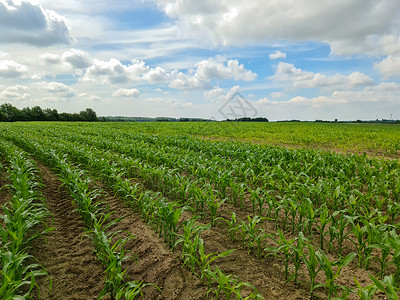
(10, 113)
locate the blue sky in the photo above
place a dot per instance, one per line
(304, 59)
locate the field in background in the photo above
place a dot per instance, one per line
(374, 139)
(205, 213)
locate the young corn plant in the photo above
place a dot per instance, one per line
(204, 260)
(311, 262)
(284, 247)
(214, 205)
(360, 243)
(297, 258)
(232, 226)
(324, 220)
(382, 243)
(238, 191)
(394, 241)
(337, 230)
(190, 240)
(18, 275)
(251, 231)
(387, 286)
(24, 211)
(257, 201)
(330, 275)
(365, 293)
(229, 285)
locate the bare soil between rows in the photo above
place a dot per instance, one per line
(68, 258)
(73, 268)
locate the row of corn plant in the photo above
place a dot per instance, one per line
(19, 226)
(340, 232)
(109, 246)
(164, 216)
(336, 233)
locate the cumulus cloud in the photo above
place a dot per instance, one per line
(58, 89)
(390, 66)
(156, 75)
(113, 71)
(15, 93)
(241, 21)
(277, 95)
(299, 78)
(214, 68)
(188, 82)
(50, 59)
(215, 95)
(277, 54)
(27, 22)
(199, 77)
(211, 69)
(127, 93)
(12, 69)
(76, 58)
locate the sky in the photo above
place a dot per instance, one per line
(278, 59)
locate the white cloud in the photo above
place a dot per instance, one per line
(12, 69)
(50, 59)
(390, 66)
(214, 68)
(211, 69)
(277, 95)
(128, 93)
(95, 98)
(157, 74)
(218, 95)
(277, 54)
(26, 22)
(242, 22)
(57, 88)
(299, 78)
(384, 98)
(15, 93)
(215, 95)
(188, 82)
(113, 71)
(76, 58)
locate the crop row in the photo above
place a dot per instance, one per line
(18, 227)
(163, 216)
(332, 218)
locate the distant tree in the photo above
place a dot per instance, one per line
(9, 113)
(38, 114)
(51, 114)
(335, 120)
(88, 115)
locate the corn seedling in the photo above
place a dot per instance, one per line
(387, 286)
(330, 276)
(311, 262)
(230, 285)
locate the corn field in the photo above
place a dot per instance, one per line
(231, 220)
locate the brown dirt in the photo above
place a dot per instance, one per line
(156, 263)
(5, 195)
(73, 268)
(67, 257)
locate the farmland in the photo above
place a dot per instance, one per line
(200, 210)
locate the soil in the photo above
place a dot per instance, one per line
(77, 274)
(67, 257)
(155, 262)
